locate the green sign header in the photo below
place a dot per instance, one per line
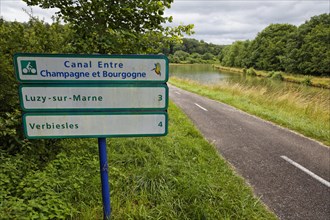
(66, 68)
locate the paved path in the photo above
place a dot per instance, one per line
(289, 172)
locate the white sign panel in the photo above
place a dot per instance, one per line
(90, 125)
(95, 68)
(89, 97)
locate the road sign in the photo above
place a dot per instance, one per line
(78, 97)
(64, 125)
(66, 68)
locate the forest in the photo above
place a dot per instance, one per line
(190, 50)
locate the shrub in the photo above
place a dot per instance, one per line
(270, 74)
(251, 72)
(306, 81)
(277, 76)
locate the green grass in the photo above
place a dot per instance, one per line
(323, 82)
(180, 176)
(293, 107)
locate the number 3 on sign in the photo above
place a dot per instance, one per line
(160, 124)
(160, 97)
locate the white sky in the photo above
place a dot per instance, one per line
(217, 21)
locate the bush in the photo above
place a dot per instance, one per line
(251, 72)
(207, 56)
(277, 76)
(306, 81)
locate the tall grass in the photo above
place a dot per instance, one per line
(316, 81)
(300, 108)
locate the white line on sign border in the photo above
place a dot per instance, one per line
(201, 107)
(320, 179)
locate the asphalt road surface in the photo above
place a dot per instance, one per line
(289, 172)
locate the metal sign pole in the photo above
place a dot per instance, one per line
(104, 177)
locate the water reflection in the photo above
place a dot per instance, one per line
(203, 73)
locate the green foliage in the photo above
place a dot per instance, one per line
(270, 45)
(33, 36)
(10, 135)
(195, 51)
(207, 56)
(109, 27)
(313, 52)
(251, 72)
(270, 74)
(285, 47)
(277, 76)
(181, 55)
(32, 192)
(306, 81)
(237, 54)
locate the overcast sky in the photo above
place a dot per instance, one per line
(217, 21)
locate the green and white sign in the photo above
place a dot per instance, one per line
(65, 125)
(75, 95)
(70, 97)
(90, 68)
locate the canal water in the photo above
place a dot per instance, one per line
(207, 74)
(203, 73)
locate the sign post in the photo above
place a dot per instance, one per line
(104, 177)
(100, 96)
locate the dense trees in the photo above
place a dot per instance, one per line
(279, 47)
(270, 46)
(192, 51)
(313, 54)
(284, 47)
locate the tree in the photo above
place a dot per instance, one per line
(313, 48)
(303, 49)
(112, 26)
(181, 55)
(270, 45)
(207, 56)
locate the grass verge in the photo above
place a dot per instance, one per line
(294, 108)
(180, 176)
(323, 82)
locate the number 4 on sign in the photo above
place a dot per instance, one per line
(160, 124)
